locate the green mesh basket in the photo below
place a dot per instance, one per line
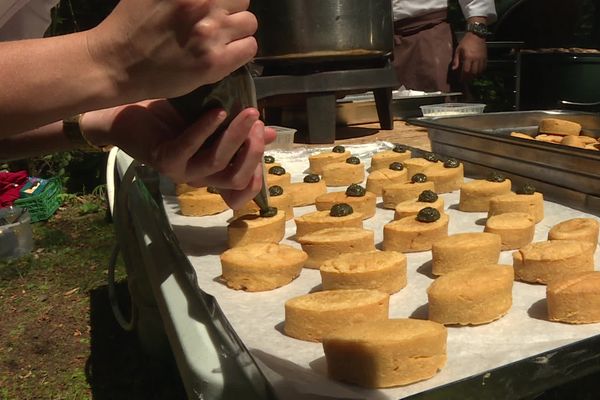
(42, 206)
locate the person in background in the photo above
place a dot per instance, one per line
(424, 53)
(115, 78)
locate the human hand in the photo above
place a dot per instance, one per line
(470, 56)
(153, 132)
(166, 48)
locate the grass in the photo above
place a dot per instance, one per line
(58, 339)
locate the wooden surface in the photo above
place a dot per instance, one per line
(402, 133)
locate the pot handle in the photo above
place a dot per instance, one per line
(579, 106)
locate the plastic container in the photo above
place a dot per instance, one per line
(42, 204)
(16, 238)
(446, 109)
(284, 140)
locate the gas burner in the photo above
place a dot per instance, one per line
(321, 83)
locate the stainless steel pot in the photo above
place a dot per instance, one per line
(313, 30)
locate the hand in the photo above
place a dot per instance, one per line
(166, 48)
(470, 56)
(153, 132)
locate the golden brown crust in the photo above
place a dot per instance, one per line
(304, 194)
(310, 316)
(383, 159)
(329, 243)
(585, 229)
(261, 266)
(364, 204)
(383, 177)
(199, 202)
(444, 179)
(396, 193)
(511, 202)
(252, 228)
(380, 270)
(343, 174)
(410, 235)
(392, 352)
(475, 195)
(557, 126)
(471, 296)
(412, 207)
(540, 262)
(319, 160)
(516, 229)
(464, 250)
(574, 298)
(317, 220)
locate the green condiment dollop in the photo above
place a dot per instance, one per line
(277, 170)
(269, 159)
(451, 163)
(275, 190)
(355, 190)
(418, 178)
(432, 157)
(496, 177)
(212, 189)
(399, 148)
(428, 196)
(396, 166)
(428, 214)
(526, 189)
(338, 149)
(312, 178)
(353, 160)
(341, 210)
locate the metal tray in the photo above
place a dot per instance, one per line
(483, 142)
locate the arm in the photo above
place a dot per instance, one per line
(166, 50)
(471, 53)
(153, 132)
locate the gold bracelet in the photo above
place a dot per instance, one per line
(73, 132)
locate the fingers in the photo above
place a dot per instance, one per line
(241, 25)
(190, 141)
(234, 6)
(456, 60)
(270, 135)
(236, 199)
(243, 166)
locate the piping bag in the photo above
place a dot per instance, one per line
(233, 94)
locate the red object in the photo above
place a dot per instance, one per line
(10, 185)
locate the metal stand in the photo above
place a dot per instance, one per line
(320, 89)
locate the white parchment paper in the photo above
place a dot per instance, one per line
(297, 369)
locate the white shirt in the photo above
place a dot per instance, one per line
(24, 19)
(470, 8)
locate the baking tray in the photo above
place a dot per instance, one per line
(483, 141)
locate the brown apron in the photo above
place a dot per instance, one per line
(423, 52)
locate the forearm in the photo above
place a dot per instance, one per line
(46, 80)
(45, 140)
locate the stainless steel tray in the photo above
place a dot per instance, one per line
(571, 175)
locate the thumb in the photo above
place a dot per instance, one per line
(456, 60)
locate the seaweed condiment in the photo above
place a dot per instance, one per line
(432, 157)
(399, 148)
(451, 163)
(275, 190)
(355, 190)
(396, 166)
(526, 189)
(341, 210)
(212, 189)
(268, 212)
(496, 177)
(353, 160)
(428, 214)
(428, 196)
(418, 178)
(338, 149)
(312, 178)
(269, 159)
(277, 170)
